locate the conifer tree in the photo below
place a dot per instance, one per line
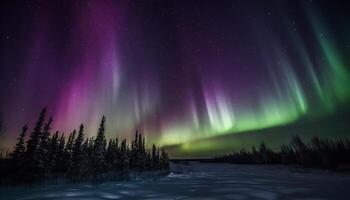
(60, 158)
(99, 148)
(141, 156)
(70, 142)
(68, 150)
(100, 138)
(155, 159)
(124, 160)
(300, 149)
(18, 154)
(52, 153)
(148, 166)
(44, 146)
(32, 153)
(158, 160)
(33, 142)
(50, 156)
(116, 156)
(85, 154)
(164, 162)
(263, 153)
(110, 155)
(77, 155)
(134, 152)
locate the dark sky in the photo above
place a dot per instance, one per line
(179, 71)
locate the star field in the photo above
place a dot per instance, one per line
(178, 71)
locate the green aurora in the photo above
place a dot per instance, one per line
(328, 78)
(198, 77)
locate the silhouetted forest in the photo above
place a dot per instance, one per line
(45, 156)
(317, 153)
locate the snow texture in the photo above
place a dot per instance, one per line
(203, 181)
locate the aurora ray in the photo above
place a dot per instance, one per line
(184, 74)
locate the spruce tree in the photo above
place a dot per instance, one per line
(141, 154)
(18, 154)
(99, 148)
(154, 165)
(77, 155)
(68, 150)
(148, 161)
(60, 157)
(124, 161)
(100, 138)
(52, 153)
(300, 150)
(44, 147)
(133, 154)
(110, 154)
(32, 153)
(115, 162)
(158, 160)
(85, 154)
(90, 157)
(164, 161)
(263, 153)
(70, 142)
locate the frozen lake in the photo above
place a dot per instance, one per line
(204, 181)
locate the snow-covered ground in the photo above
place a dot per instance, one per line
(204, 181)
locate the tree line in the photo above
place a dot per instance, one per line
(317, 153)
(46, 155)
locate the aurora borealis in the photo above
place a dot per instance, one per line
(179, 71)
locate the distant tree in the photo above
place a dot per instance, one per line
(158, 160)
(300, 150)
(317, 153)
(263, 153)
(287, 155)
(133, 152)
(155, 158)
(327, 154)
(255, 155)
(164, 159)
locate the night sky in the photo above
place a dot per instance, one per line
(184, 73)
